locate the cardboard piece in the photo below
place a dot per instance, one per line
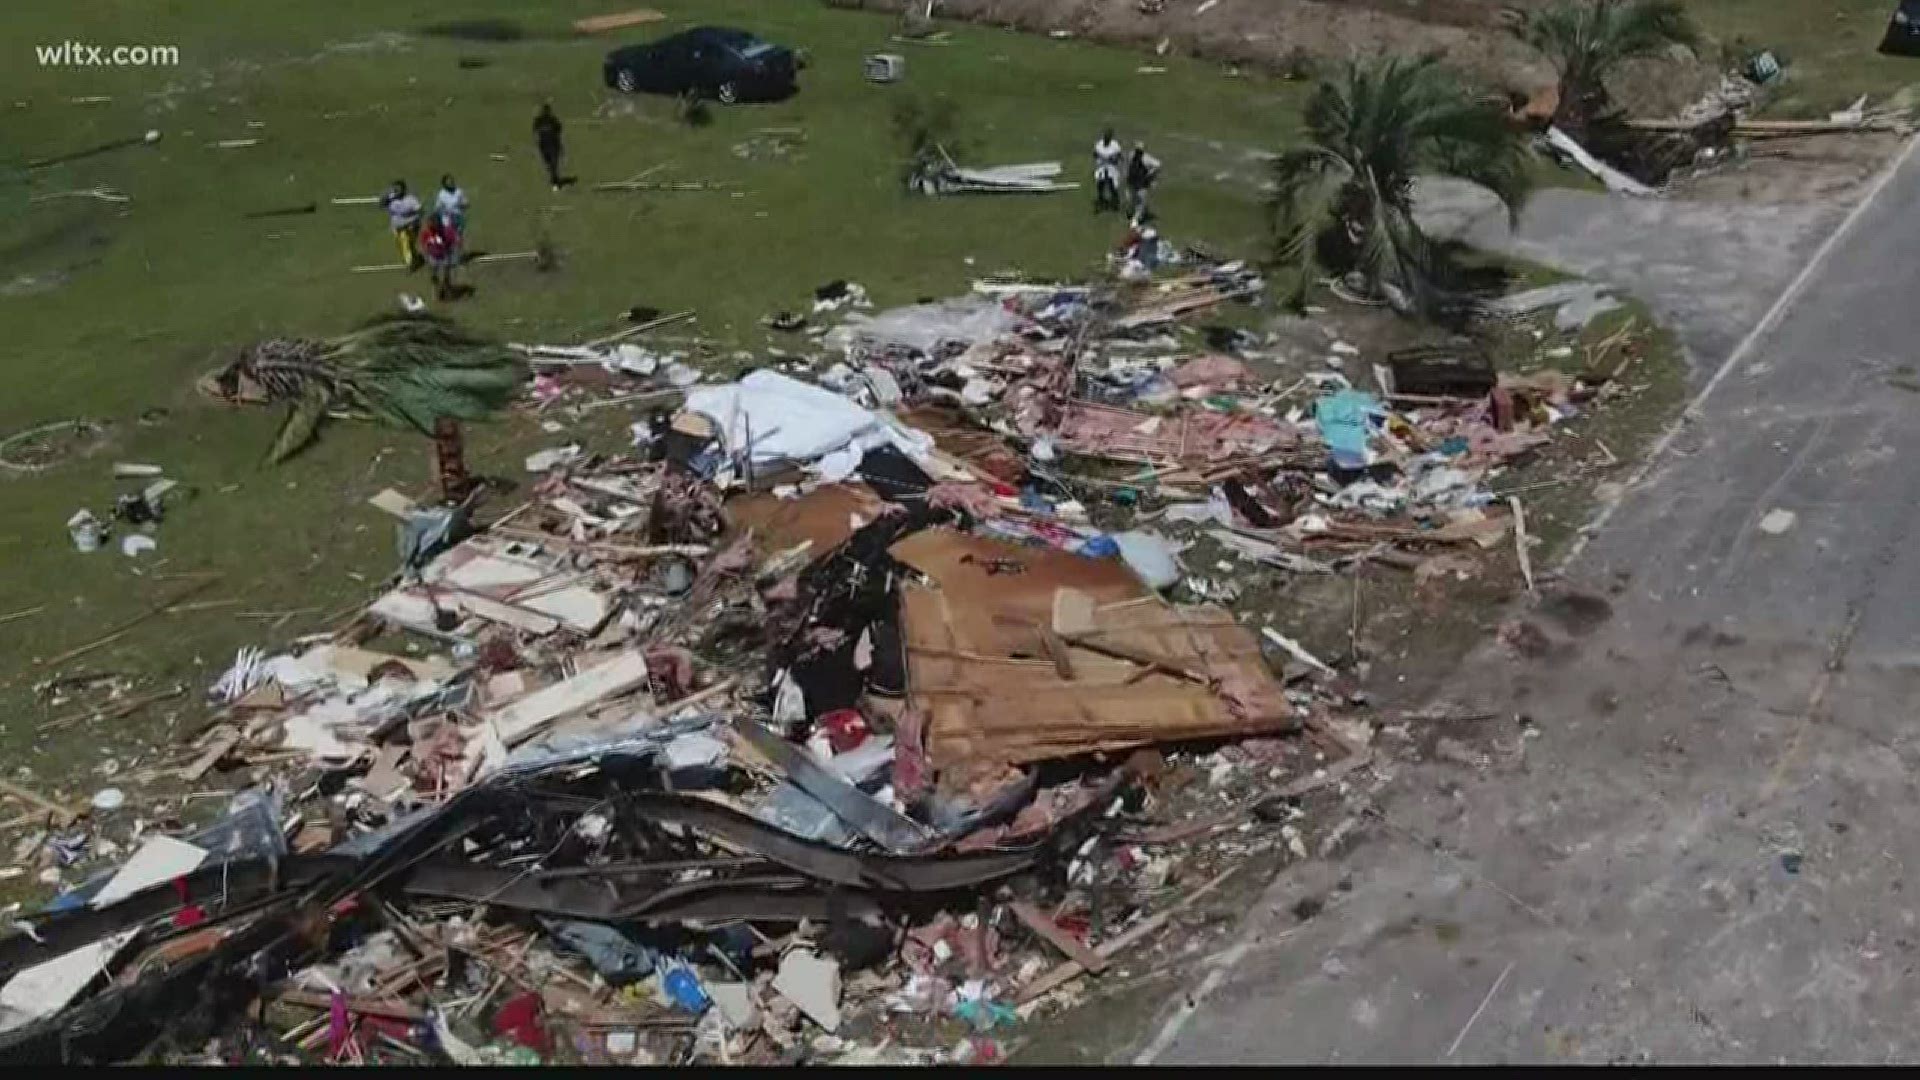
(993, 689)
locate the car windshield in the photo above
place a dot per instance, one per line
(743, 43)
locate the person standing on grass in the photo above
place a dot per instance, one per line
(403, 217)
(1108, 155)
(546, 136)
(440, 242)
(450, 199)
(1142, 170)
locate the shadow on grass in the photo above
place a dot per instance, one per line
(496, 30)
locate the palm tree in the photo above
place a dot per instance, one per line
(1343, 201)
(1587, 40)
(929, 130)
(409, 371)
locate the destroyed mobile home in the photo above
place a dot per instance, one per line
(828, 711)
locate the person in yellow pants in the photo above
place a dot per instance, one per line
(403, 216)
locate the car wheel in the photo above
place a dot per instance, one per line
(625, 81)
(727, 93)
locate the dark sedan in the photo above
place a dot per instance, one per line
(1903, 31)
(730, 65)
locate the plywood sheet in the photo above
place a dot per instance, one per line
(990, 693)
(531, 714)
(619, 20)
(824, 515)
(999, 592)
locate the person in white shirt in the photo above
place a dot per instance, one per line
(1107, 158)
(450, 199)
(403, 217)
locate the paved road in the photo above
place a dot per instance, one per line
(1710, 270)
(1701, 855)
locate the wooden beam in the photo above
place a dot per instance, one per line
(1147, 927)
(121, 631)
(1074, 949)
(61, 814)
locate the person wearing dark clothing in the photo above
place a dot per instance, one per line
(1142, 170)
(546, 135)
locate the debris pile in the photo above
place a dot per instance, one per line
(138, 509)
(1709, 133)
(850, 718)
(947, 178)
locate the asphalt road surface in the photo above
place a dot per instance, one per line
(1696, 849)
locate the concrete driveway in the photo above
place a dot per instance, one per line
(1710, 270)
(1695, 846)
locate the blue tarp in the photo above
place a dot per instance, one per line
(1345, 418)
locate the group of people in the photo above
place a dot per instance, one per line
(434, 238)
(1113, 166)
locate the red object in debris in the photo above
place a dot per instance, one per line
(398, 1029)
(845, 729)
(1502, 408)
(519, 1020)
(339, 1024)
(672, 668)
(912, 773)
(190, 913)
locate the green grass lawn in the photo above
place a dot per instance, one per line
(112, 310)
(1830, 47)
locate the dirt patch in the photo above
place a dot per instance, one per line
(1661, 86)
(1578, 613)
(1814, 168)
(32, 284)
(46, 446)
(74, 235)
(1288, 36)
(477, 30)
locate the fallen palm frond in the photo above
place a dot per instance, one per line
(409, 371)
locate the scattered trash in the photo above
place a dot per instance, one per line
(1150, 556)
(891, 682)
(1777, 522)
(1613, 178)
(812, 983)
(949, 179)
(547, 460)
(86, 530)
(1762, 67)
